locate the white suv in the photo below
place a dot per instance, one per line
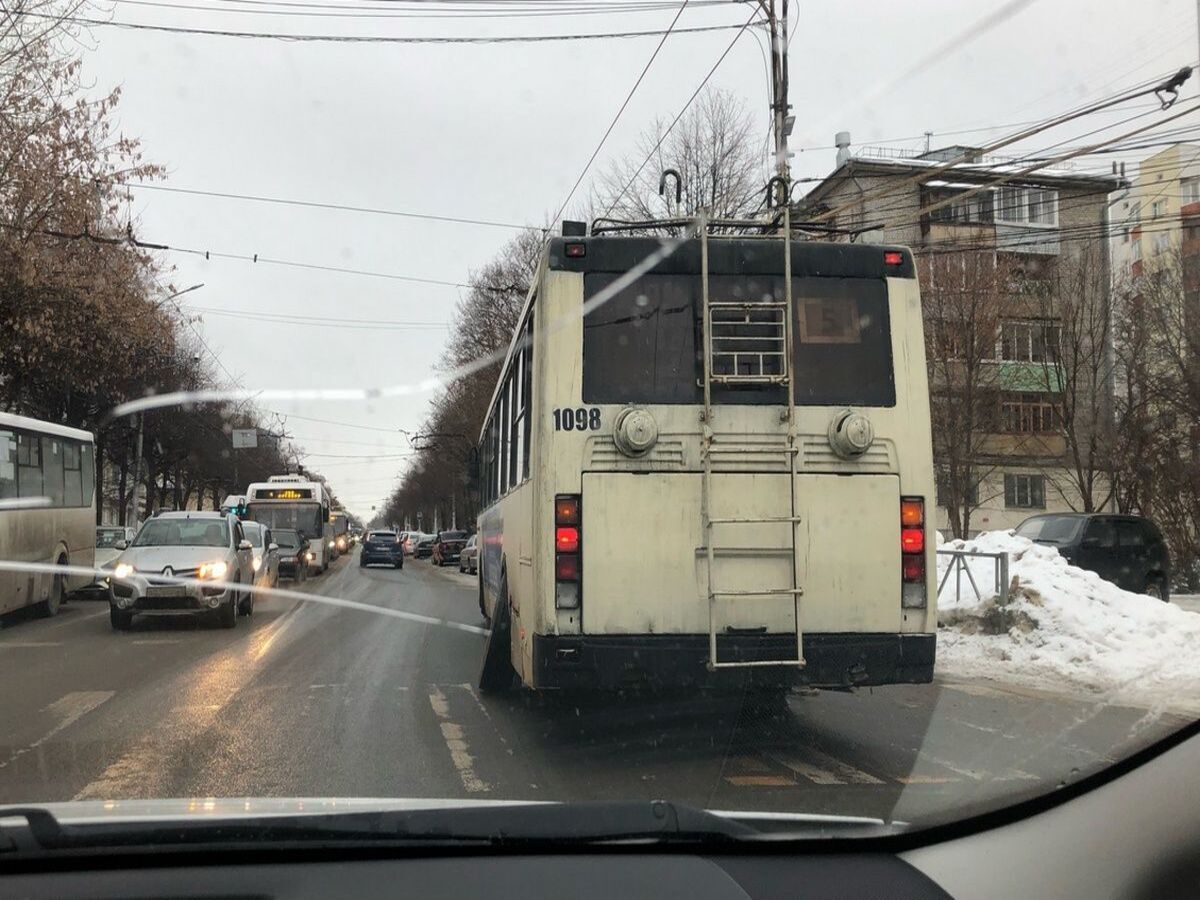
(197, 546)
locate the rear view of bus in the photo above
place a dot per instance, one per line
(732, 481)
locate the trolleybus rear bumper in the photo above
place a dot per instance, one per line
(628, 660)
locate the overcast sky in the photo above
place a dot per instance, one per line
(500, 132)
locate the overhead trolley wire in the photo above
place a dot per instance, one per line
(378, 38)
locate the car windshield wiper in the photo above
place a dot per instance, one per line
(492, 825)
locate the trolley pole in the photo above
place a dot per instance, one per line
(778, 25)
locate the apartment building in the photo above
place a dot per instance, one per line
(1159, 213)
(1032, 226)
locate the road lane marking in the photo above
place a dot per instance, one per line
(815, 774)
(926, 779)
(25, 645)
(821, 768)
(156, 641)
(460, 752)
(760, 780)
(69, 708)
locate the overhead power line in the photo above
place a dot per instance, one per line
(314, 204)
(400, 11)
(377, 38)
(319, 321)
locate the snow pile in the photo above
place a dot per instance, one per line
(1065, 627)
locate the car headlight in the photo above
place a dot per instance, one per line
(331, 545)
(214, 570)
(310, 556)
(256, 563)
(123, 570)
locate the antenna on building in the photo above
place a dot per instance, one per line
(928, 141)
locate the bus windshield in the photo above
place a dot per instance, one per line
(302, 517)
(644, 345)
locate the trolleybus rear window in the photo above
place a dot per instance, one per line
(644, 345)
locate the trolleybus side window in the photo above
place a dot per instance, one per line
(88, 471)
(73, 493)
(526, 398)
(29, 466)
(52, 470)
(8, 465)
(505, 450)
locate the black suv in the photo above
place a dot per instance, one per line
(1129, 551)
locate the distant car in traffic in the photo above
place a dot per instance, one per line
(468, 559)
(294, 555)
(1129, 551)
(447, 546)
(266, 554)
(382, 547)
(425, 546)
(410, 539)
(205, 546)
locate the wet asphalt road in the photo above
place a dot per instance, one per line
(310, 699)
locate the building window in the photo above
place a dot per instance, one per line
(1190, 190)
(1158, 209)
(1027, 206)
(943, 490)
(1135, 213)
(969, 209)
(1025, 491)
(1028, 413)
(1159, 243)
(1137, 250)
(1029, 341)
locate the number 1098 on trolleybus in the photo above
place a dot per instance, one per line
(697, 471)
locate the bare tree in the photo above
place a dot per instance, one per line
(1077, 371)
(1158, 403)
(718, 151)
(963, 294)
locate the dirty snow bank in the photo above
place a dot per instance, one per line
(1063, 627)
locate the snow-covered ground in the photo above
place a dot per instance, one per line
(1067, 629)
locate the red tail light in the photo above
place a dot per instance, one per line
(566, 539)
(912, 540)
(893, 258)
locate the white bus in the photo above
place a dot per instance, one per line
(708, 479)
(294, 502)
(47, 510)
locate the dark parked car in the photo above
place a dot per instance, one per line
(294, 554)
(425, 545)
(468, 560)
(1129, 551)
(382, 547)
(447, 546)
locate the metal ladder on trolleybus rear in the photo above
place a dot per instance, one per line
(748, 343)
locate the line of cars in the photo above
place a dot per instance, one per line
(445, 548)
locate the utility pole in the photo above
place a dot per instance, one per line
(137, 472)
(781, 119)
